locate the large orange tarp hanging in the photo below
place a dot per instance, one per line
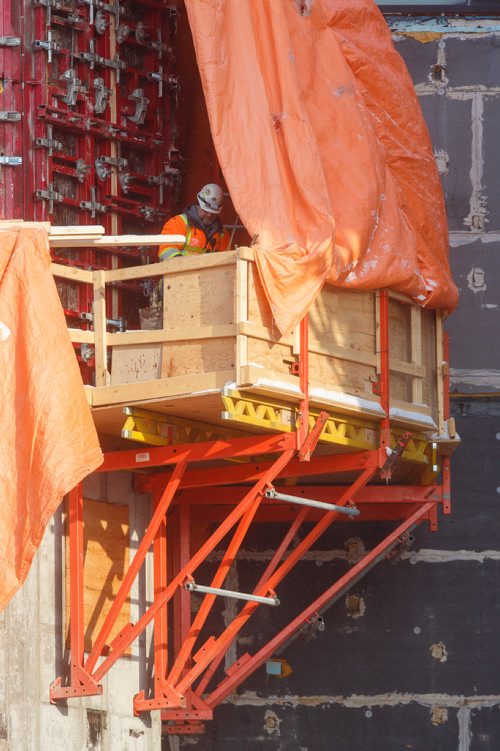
(48, 439)
(324, 149)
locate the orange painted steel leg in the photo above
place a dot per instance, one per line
(163, 696)
(161, 618)
(327, 598)
(209, 599)
(81, 684)
(184, 615)
(446, 486)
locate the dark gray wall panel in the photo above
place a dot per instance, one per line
(419, 58)
(480, 64)
(491, 165)
(485, 729)
(330, 728)
(449, 123)
(474, 327)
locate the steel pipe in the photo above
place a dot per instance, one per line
(347, 510)
(193, 587)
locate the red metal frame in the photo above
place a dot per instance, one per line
(187, 656)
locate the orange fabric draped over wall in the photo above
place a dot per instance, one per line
(48, 439)
(324, 149)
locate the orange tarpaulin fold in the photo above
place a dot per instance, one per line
(48, 439)
(324, 149)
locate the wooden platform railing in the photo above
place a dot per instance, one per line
(416, 335)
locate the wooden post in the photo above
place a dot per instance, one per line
(241, 312)
(416, 352)
(439, 371)
(102, 376)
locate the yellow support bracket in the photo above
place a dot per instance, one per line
(341, 430)
(157, 429)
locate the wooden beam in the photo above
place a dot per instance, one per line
(167, 336)
(416, 351)
(187, 263)
(79, 336)
(71, 272)
(241, 314)
(77, 229)
(408, 368)
(439, 371)
(162, 388)
(102, 377)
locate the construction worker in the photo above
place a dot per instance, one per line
(199, 224)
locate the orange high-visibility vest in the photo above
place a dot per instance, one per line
(196, 240)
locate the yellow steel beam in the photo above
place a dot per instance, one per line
(350, 432)
(249, 411)
(158, 429)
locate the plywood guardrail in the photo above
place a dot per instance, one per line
(415, 335)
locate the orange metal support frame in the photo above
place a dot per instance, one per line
(187, 655)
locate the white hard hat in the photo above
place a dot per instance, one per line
(210, 198)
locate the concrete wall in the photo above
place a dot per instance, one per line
(417, 665)
(32, 653)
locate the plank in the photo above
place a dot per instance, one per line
(160, 389)
(79, 336)
(71, 272)
(102, 377)
(185, 334)
(416, 352)
(241, 305)
(174, 265)
(77, 229)
(439, 372)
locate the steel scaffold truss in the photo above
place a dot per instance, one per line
(246, 474)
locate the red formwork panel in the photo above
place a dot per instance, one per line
(89, 96)
(12, 198)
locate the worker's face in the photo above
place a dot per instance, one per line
(206, 217)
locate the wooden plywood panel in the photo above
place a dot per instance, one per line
(197, 357)
(401, 387)
(272, 356)
(133, 363)
(400, 330)
(203, 297)
(334, 373)
(106, 560)
(343, 319)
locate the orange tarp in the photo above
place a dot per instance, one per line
(324, 149)
(48, 439)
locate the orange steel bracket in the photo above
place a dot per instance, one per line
(184, 668)
(81, 684)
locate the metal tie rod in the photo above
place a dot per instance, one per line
(193, 587)
(347, 510)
